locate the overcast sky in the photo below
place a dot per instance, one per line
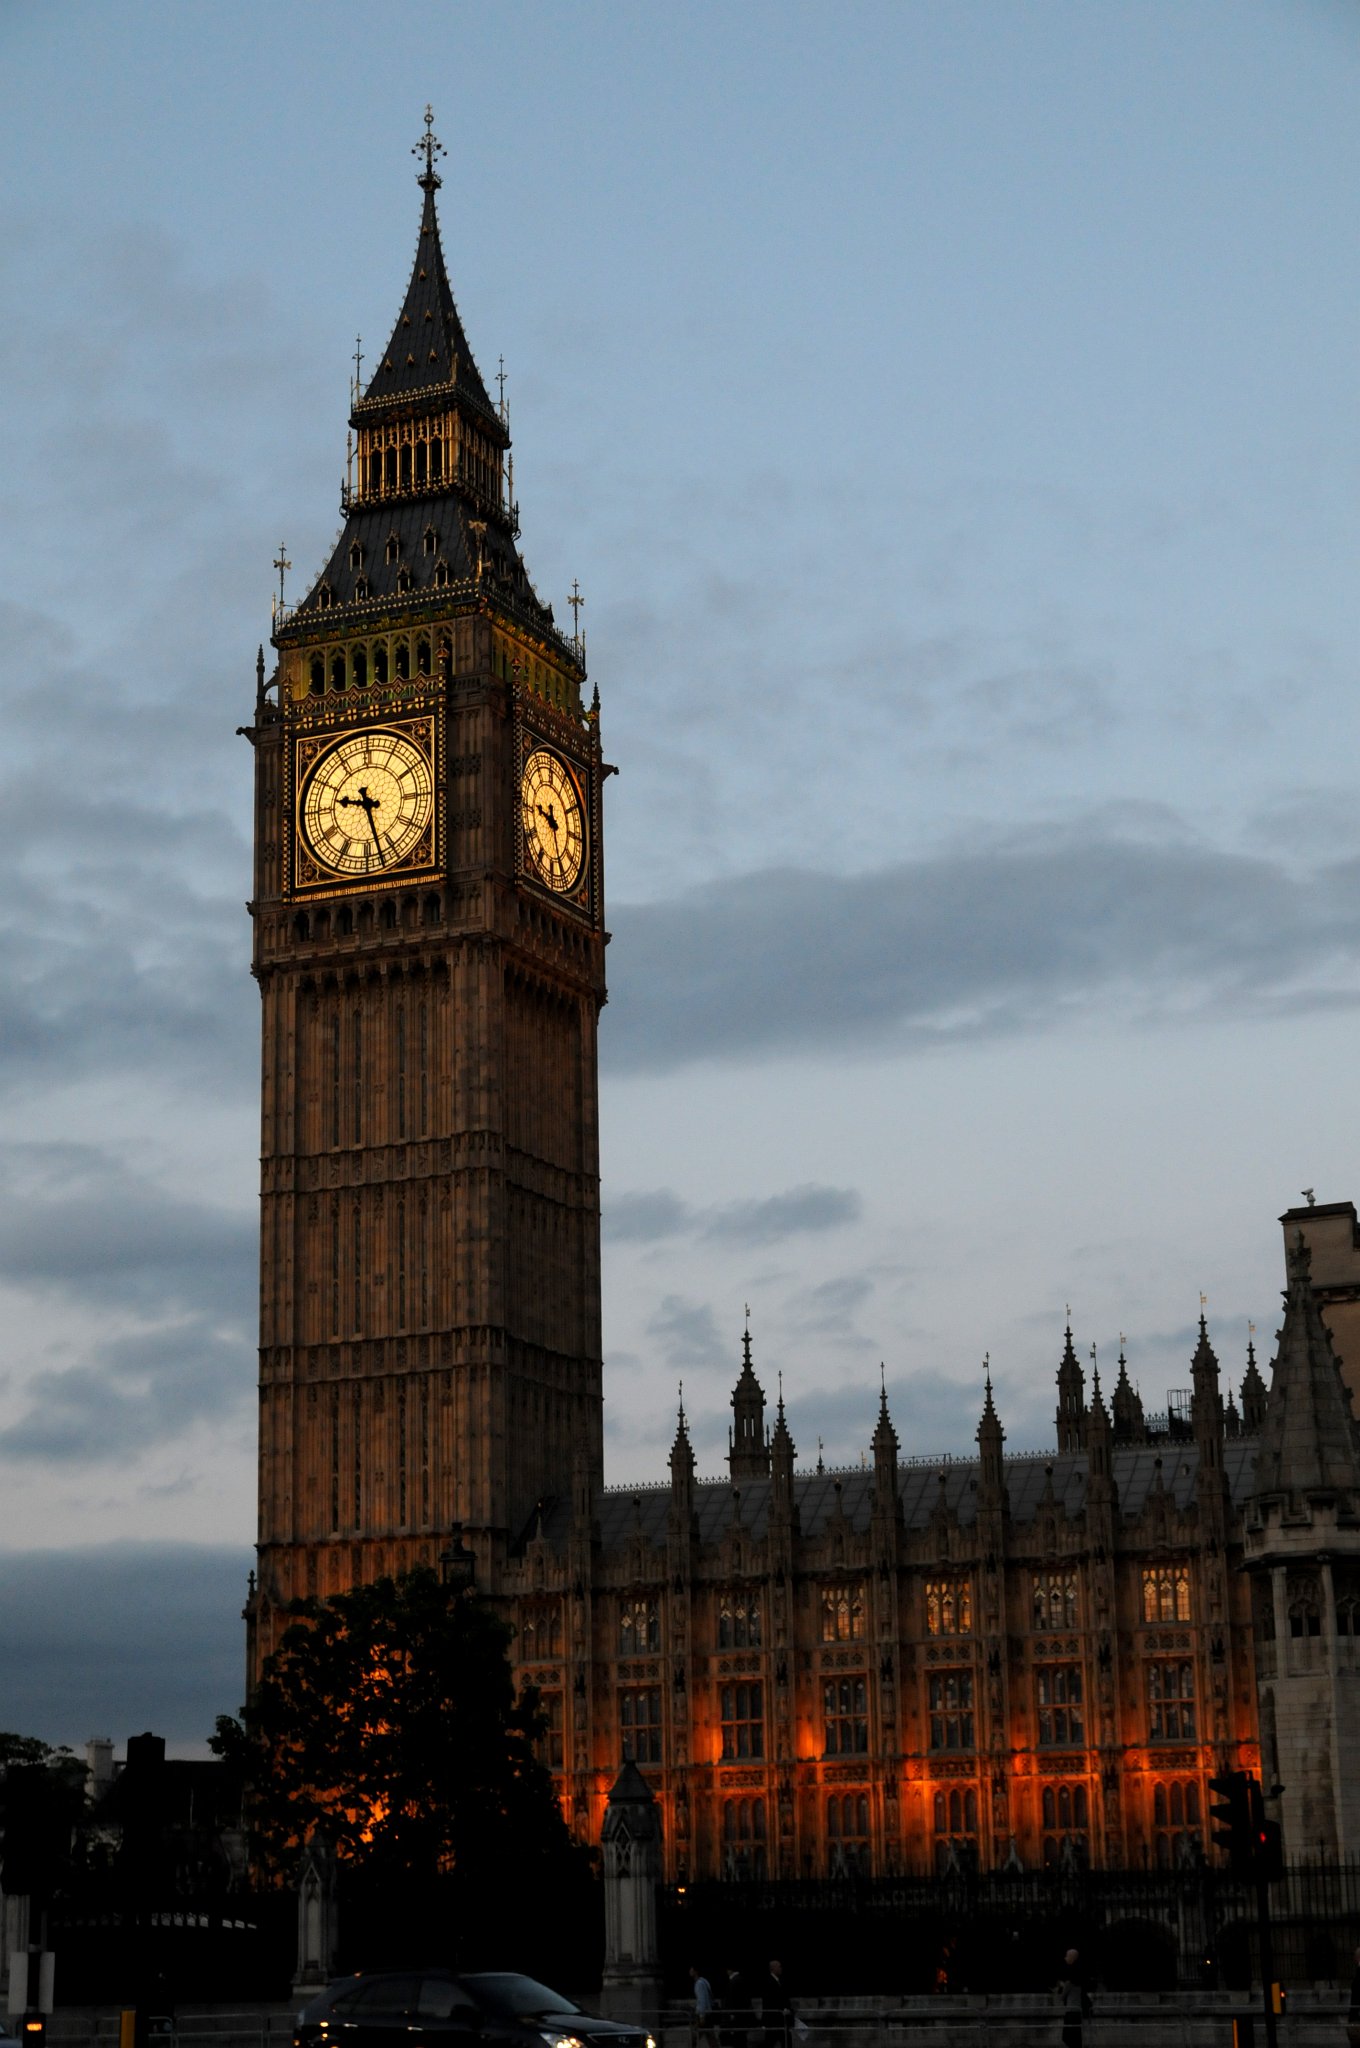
(950, 414)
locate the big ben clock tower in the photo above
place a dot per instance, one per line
(429, 945)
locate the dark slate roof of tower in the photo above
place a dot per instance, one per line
(428, 345)
(1308, 1442)
(409, 519)
(919, 1490)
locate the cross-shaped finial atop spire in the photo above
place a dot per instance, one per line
(283, 565)
(429, 146)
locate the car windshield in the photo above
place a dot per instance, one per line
(517, 1994)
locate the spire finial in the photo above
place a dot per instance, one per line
(987, 1371)
(682, 1404)
(1095, 1375)
(746, 1342)
(576, 601)
(500, 386)
(283, 565)
(358, 364)
(1203, 1304)
(780, 1403)
(429, 146)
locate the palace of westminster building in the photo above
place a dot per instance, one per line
(906, 1666)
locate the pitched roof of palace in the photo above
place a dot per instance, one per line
(624, 1512)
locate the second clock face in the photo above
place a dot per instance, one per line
(554, 824)
(366, 803)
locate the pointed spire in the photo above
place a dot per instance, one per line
(1253, 1388)
(781, 1442)
(1100, 1485)
(991, 1439)
(1097, 1401)
(748, 1448)
(884, 1440)
(428, 345)
(682, 1450)
(1127, 1405)
(1309, 1440)
(1071, 1396)
(1206, 1405)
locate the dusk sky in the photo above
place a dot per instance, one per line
(950, 412)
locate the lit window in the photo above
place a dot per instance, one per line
(951, 1709)
(1057, 1691)
(639, 1627)
(842, 1614)
(743, 1839)
(1171, 1701)
(1166, 1593)
(1066, 1817)
(956, 1819)
(549, 1743)
(847, 1834)
(949, 1607)
(1054, 1600)
(640, 1723)
(845, 1710)
(738, 1622)
(540, 1634)
(743, 1721)
(1175, 1823)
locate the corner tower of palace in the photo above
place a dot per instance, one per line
(429, 947)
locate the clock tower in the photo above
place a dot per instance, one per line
(429, 946)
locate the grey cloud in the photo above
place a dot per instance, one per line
(829, 1309)
(645, 1217)
(80, 1226)
(136, 1391)
(126, 1636)
(805, 1208)
(651, 1217)
(687, 1334)
(77, 1221)
(969, 944)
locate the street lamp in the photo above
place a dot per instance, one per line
(457, 1564)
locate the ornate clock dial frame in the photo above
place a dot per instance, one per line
(365, 803)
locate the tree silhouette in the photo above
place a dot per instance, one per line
(387, 1722)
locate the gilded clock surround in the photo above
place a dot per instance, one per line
(415, 853)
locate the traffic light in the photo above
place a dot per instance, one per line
(1271, 1851)
(33, 2032)
(1230, 1817)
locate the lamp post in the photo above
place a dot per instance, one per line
(457, 1564)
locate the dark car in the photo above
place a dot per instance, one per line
(496, 2007)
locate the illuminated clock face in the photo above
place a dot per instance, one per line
(554, 825)
(366, 803)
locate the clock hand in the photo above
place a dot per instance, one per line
(368, 805)
(551, 817)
